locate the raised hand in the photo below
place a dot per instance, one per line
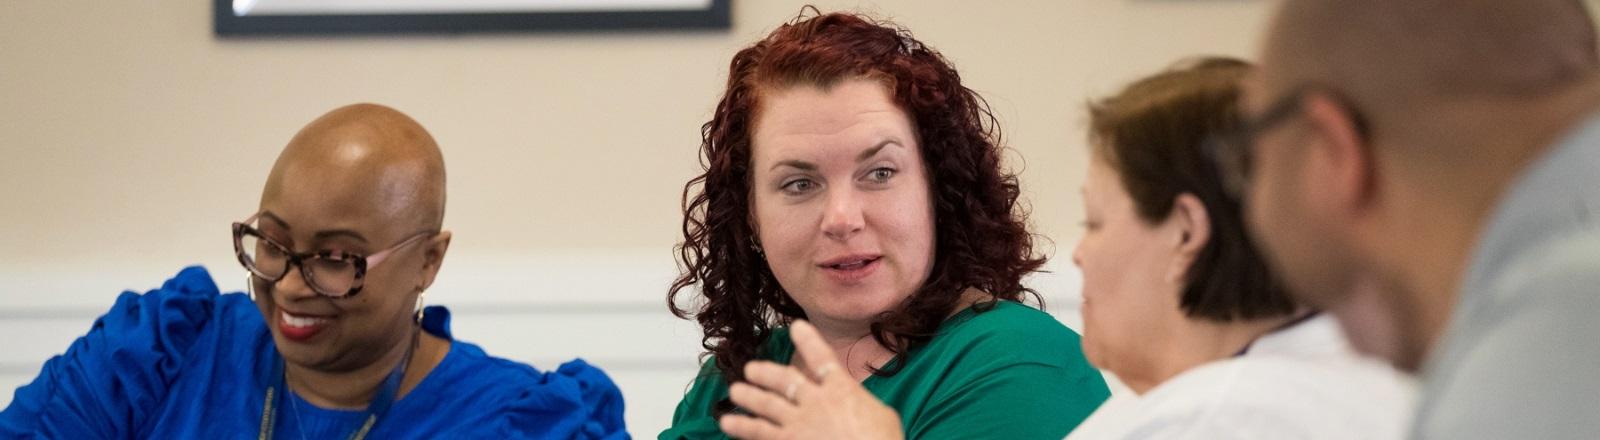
(823, 403)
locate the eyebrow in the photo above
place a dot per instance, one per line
(324, 235)
(875, 149)
(275, 219)
(868, 154)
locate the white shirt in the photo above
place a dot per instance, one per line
(1302, 382)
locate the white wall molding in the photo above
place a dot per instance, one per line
(542, 308)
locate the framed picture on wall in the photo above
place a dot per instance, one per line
(366, 17)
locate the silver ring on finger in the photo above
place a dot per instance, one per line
(823, 372)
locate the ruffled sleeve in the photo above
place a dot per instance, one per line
(577, 401)
(113, 378)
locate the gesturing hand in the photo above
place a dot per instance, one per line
(824, 403)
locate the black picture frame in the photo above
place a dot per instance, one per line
(717, 16)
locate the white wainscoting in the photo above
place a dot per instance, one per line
(608, 308)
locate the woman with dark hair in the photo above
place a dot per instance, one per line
(1178, 304)
(852, 181)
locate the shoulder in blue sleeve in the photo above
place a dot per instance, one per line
(577, 401)
(111, 379)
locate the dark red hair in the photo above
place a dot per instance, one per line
(981, 238)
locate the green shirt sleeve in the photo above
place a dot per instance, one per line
(693, 419)
(1023, 401)
(1014, 373)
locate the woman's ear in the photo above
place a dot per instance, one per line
(1193, 227)
(433, 258)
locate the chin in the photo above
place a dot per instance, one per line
(1094, 345)
(307, 355)
(841, 313)
(859, 310)
(1410, 360)
(292, 352)
(1091, 351)
(1368, 317)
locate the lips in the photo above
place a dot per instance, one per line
(851, 268)
(300, 328)
(849, 261)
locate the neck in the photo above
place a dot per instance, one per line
(355, 389)
(1197, 342)
(857, 350)
(853, 344)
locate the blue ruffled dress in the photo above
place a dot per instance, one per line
(185, 361)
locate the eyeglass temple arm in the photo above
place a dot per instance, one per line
(374, 259)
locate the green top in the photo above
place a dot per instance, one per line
(1011, 372)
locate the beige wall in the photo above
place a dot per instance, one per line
(130, 137)
(130, 131)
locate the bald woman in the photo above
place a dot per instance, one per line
(334, 340)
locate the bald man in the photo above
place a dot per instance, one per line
(1429, 171)
(334, 339)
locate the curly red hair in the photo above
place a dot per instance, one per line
(981, 237)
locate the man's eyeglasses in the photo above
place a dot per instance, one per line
(1232, 150)
(330, 273)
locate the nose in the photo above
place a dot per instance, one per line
(843, 218)
(293, 286)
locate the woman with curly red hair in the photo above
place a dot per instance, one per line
(853, 193)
